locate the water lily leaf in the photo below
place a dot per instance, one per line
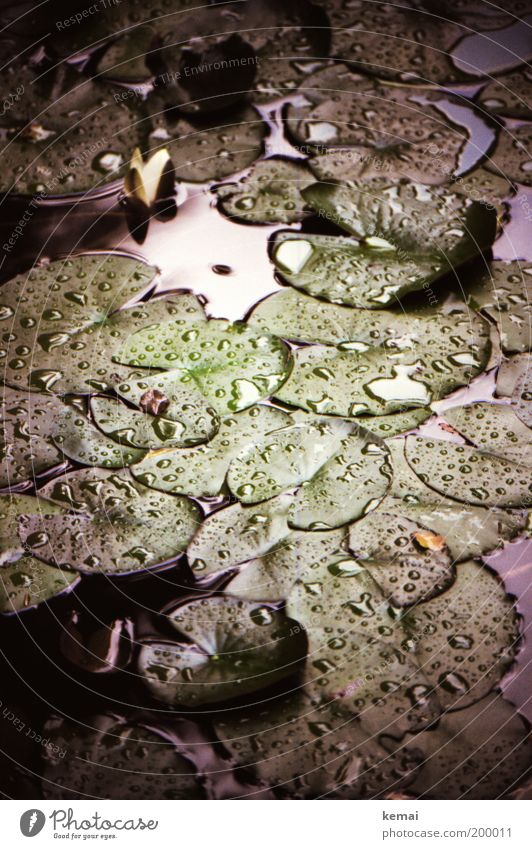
(44, 309)
(205, 150)
(28, 582)
(269, 193)
(484, 187)
(117, 525)
(85, 362)
(494, 428)
(271, 577)
(405, 371)
(46, 136)
(396, 42)
(341, 470)
(477, 753)
(445, 228)
(466, 637)
(469, 475)
(29, 423)
(409, 562)
(81, 441)
(84, 759)
(397, 423)
(304, 751)
(12, 508)
(201, 471)
(345, 271)
(468, 531)
(360, 128)
(234, 648)
(508, 95)
(504, 293)
(511, 157)
(232, 365)
(136, 428)
(236, 534)
(125, 60)
(515, 381)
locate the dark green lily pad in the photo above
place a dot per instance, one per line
(504, 293)
(511, 156)
(67, 134)
(495, 428)
(271, 577)
(234, 648)
(341, 470)
(269, 193)
(85, 758)
(44, 309)
(209, 150)
(508, 95)
(201, 471)
(469, 475)
(384, 379)
(410, 563)
(484, 187)
(467, 530)
(135, 428)
(396, 42)
(236, 534)
(397, 423)
(79, 440)
(29, 423)
(467, 637)
(478, 753)
(515, 381)
(12, 508)
(117, 525)
(28, 582)
(232, 365)
(304, 751)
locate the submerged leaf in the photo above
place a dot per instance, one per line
(233, 648)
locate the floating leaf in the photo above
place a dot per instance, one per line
(494, 428)
(400, 555)
(29, 423)
(84, 759)
(465, 474)
(201, 471)
(509, 95)
(397, 423)
(468, 531)
(271, 577)
(467, 637)
(67, 134)
(236, 534)
(515, 380)
(234, 648)
(28, 582)
(43, 311)
(117, 525)
(504, 293)
(206, 150)
(478, 753)
(396, 42)
(232, 365)
(305, 751)
(342, 472)
(81, 441)
(12, 508)
(269, 193)
(360, 128)
(135, 428)
(511, 157)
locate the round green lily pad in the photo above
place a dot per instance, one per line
(503, 292)
(29, 423)
(28, 582)
(515, 381)
(495, 428)
(269, 193)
